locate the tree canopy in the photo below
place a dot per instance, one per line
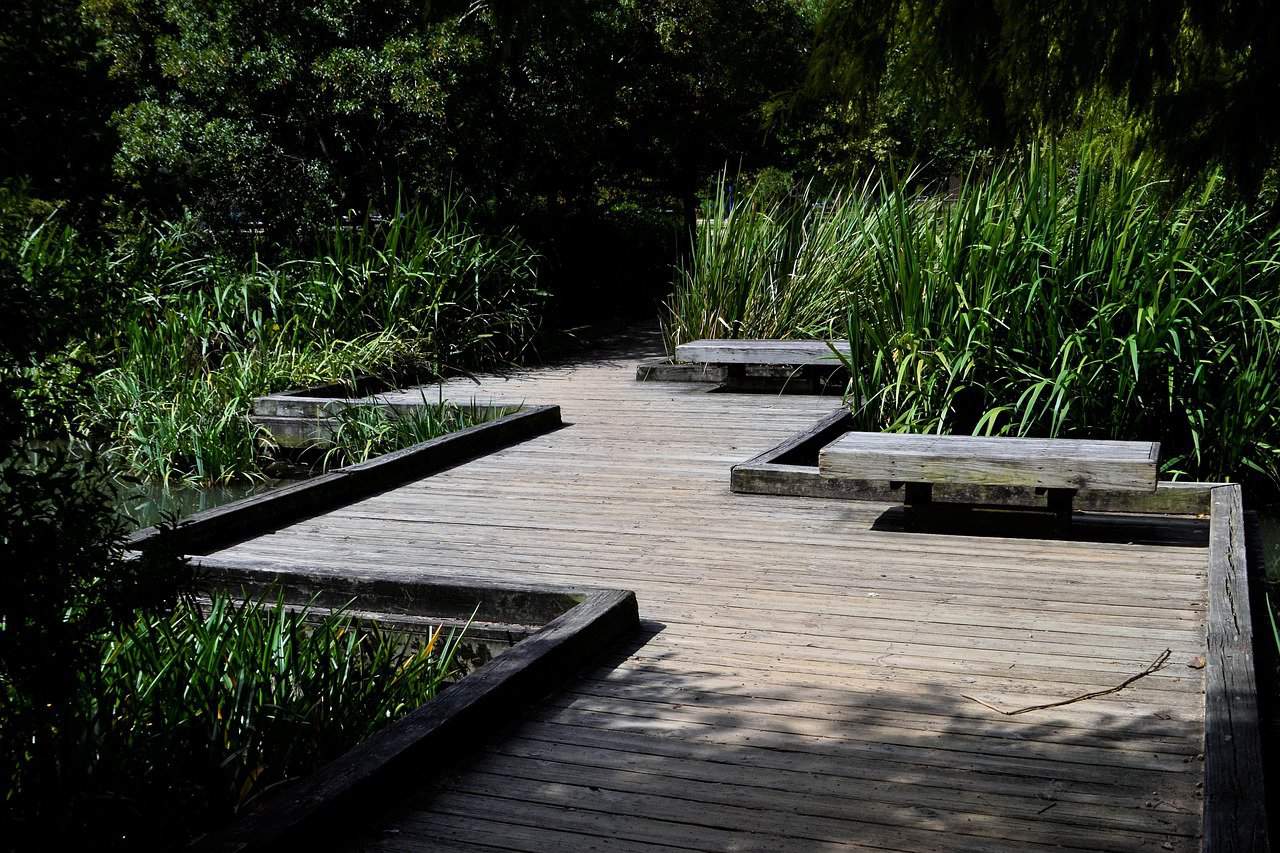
(1198, 79)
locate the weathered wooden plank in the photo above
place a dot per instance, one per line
(1034, 462)
(798, 645)
(1235, 816)
(793, 353)
(663, 369)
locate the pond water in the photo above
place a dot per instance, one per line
(147, 504)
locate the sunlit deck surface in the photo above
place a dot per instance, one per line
(804, 672)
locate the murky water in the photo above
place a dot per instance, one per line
(147, 504)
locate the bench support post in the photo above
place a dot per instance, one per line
(1059, 502)
(917, 494)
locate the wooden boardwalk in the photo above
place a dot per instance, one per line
(804, 675)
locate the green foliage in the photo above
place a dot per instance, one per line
(771, 266)
(199, 334)
(64, 575)
(66, 580)
(55, 103)
(1198, 79)
(1042, 299)
(258, 115)
(202, 710)
(363, 432)
(187, 716)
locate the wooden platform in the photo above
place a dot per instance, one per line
(808, 675)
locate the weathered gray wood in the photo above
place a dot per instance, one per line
(297, 421)
(662, 369)
(799, 639)
(763, 478)
(793, 353)
(1234, 806)
(804, 445)
(252, 516)
(407, 751)
(405, 592)
(978, 460)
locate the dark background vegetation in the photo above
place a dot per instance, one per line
(157, 155)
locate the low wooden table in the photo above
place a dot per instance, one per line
(1059, 467)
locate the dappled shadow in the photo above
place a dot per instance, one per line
(666, 747)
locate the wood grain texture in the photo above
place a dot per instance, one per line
(793, 353)
(798, 683)
(978, 460)
(1235, 815)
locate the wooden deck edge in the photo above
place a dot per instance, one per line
(288, 407)
(774, 472)
(402, 754)
(408, 591)
(663, 369)
(234, 522)
(1235, 816)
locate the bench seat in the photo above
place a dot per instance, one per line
(1068, 464)
(789, 353)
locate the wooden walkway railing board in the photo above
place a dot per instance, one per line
(801, 683)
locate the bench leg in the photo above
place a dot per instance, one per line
(1059, 503)
(917, 494)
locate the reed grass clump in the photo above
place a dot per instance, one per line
(196, 335)
(1047, 297)
(767, 266)
(197, 713)
(363, 432)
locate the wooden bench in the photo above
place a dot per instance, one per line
(1059, 467)
(785, 353)
(804, 367)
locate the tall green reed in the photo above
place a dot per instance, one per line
(201, 335)
(765, 267)
(362, 432)
(1051, 297)
(201, 711)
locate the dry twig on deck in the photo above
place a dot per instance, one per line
(1156, 666)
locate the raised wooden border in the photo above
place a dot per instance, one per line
(1235, 817)
(225, 525)
(663, 369)
(297, 419)
(395, 757)
(783, 470)
(721, 351)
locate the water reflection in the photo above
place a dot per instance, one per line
(146, 504)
